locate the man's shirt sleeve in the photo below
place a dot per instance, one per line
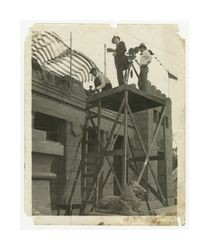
(145, 58)
(102, 81)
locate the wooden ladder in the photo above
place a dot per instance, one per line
(91, 161)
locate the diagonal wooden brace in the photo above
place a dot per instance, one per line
(146, 162)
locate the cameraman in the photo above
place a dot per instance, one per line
(121, 61)
(101, 82)
(145, 59)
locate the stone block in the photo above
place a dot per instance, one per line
(41, 202)
(41, 166)
(48, 147)
(38, 135)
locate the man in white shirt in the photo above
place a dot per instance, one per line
(101, 82)
(145, 59)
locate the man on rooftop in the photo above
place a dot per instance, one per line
(145, 60)
(101, 81)
(121, 61)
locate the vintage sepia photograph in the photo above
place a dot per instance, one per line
(105, 124)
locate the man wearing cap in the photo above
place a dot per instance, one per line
(121, 61)
(101, 82)
(131, 197)
(90, 91)
(145, 60)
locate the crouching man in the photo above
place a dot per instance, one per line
(101, 82)
(130, 200)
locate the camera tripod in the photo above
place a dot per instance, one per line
(128, 72)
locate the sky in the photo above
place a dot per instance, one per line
(163, 40)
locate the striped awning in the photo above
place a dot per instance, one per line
(54, 55)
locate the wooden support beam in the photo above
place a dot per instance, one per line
(165, 158)
(132, 153)
(151, 158)
(99, 161)
(108, 174)
(154, 192)
(117, 134)
(125, 142)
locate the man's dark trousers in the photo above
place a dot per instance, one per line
(143, 76)
(120, 68)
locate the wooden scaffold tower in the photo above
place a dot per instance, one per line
(125, 100)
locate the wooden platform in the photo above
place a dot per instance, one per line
(138, 100)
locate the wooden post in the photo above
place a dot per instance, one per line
(165, 156)
(83, 166)
(99, 161)
(125, 142)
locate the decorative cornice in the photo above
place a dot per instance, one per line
(57, 100)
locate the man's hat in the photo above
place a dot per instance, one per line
(114, 38)
(92, 70)
(142, 45)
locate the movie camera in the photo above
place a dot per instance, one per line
(131, 55)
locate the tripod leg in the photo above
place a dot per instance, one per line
(137, 74)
